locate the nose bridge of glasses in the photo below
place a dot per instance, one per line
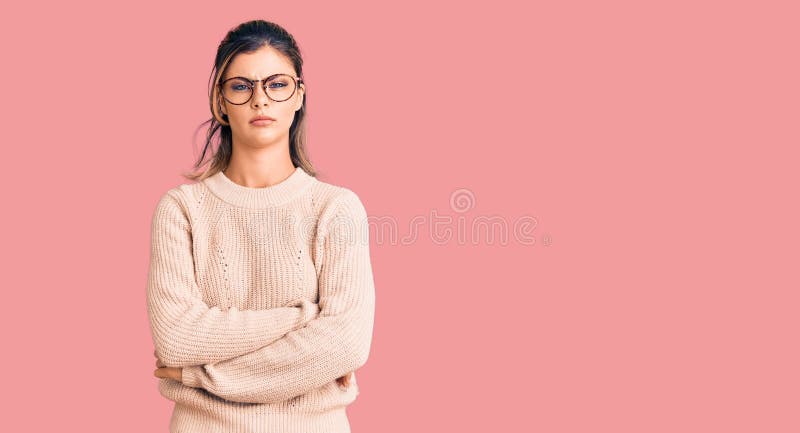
(262, 84)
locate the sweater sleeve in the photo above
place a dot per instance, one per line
(329, 346)
(185, 330)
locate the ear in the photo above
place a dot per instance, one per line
(301, 93)
(221, 104)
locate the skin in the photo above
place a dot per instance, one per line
(260, 155)
(164, 372)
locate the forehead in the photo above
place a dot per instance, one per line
(259, 64)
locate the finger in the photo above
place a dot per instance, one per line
(344, 380)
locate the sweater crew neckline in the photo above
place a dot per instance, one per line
(254, 198)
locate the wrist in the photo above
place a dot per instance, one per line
(190, 376)
(310, 311)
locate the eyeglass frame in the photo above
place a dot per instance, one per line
(262, 83)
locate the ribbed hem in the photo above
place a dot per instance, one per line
(273, 195)
(235, 420)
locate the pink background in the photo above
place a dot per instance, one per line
(654, 146)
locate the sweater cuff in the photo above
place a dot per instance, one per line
(190, 376)
(310, 311)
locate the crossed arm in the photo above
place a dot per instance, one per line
(185, 330)
(301, 350)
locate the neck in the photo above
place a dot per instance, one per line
(261, 166)
(259, 176)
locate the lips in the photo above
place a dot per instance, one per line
(265, 118)
(262, 122)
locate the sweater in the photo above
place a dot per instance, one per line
(264, 296)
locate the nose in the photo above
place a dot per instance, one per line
(259, 95)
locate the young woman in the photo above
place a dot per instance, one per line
(260, 291)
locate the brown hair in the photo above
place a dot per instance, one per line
(247, 38)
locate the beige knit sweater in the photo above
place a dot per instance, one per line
(264, 296)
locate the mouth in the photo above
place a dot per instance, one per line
(262, 121)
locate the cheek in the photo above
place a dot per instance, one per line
(284, 114)
(239, 116)
(287, 115)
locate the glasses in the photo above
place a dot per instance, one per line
(278, 87)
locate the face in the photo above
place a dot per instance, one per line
(256, 66)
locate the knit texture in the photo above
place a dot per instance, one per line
(264, 296)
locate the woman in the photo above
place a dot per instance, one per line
(260, 291)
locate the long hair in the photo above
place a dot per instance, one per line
(247, 38)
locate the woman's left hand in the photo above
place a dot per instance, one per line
(345, 380)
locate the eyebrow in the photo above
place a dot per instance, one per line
(253, 79)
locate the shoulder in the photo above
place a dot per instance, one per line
(176, 202)
(338, 201)
(340, 210)
(349, 205)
